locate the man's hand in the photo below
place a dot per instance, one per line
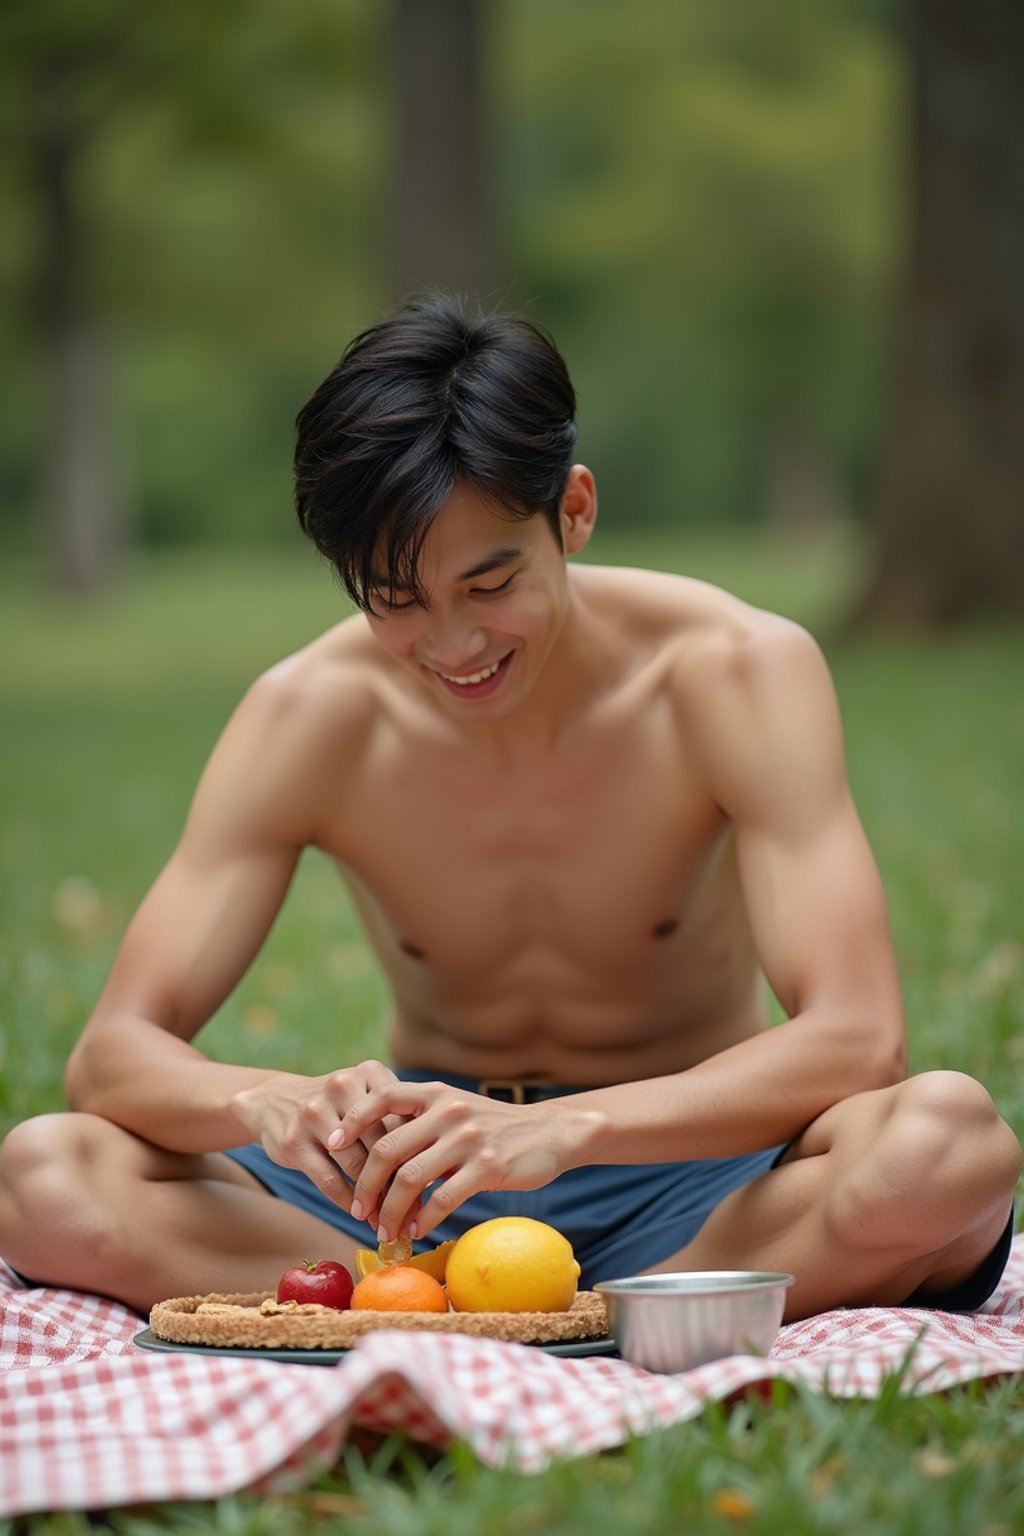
(294, 1118)
(467, 1141)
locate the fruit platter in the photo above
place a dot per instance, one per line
(512, 1278)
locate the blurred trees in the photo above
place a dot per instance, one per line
(440, 207)
(65, 80)
(165, 173)
(694, 198)
(702, 202)
(951, 511)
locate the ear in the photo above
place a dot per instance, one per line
(578, 512)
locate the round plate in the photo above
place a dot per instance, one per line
(147, 1339)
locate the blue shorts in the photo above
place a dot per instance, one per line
(619, 1218)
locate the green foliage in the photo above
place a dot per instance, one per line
(701, 200)
(704, 202)
(226, 160)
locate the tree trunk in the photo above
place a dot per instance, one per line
(950, 513)
(79, 483)
(441, 217)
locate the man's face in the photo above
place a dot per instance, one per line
(496, 594)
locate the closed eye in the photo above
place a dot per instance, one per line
(380, 603)
(490, 591)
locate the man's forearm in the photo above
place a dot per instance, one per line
(132, 1072)
(759, 1093)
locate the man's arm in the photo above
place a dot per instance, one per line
(193, 938)
(765, 723)
(761, 715)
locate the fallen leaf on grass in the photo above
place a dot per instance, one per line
(77, 908)
(824, 1475)
(932, 1462)
(323, 1505)
(732, 1504)
(998, 969)
(261, 1020)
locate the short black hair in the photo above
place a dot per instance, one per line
(435, 395)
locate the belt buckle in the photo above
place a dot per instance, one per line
(509, 1085)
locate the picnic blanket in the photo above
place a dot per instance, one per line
(88, 1420)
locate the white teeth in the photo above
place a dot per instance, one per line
(474, 677)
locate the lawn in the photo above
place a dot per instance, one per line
(106, 716)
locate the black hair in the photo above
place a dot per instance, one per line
(433, 396)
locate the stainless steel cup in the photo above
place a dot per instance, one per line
(676, 1322)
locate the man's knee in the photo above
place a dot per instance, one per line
(44, 1164)
(36, 1144)
(941, 1161)
(27, 1149)
(954, 1139)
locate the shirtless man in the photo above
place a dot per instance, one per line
(584, 813)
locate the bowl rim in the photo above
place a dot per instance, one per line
(695, 1282)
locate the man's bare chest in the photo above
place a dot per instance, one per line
(583, 861)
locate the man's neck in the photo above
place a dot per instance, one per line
(576, 673)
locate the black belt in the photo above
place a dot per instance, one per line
(513, 1090)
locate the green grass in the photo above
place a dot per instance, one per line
(106, 716)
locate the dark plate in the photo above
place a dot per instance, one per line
(147, 1339)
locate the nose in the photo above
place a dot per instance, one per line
(454, 641)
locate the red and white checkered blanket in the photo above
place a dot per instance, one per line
(88, 1420)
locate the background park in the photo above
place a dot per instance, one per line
(782, 249)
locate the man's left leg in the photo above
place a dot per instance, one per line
(899, 1190)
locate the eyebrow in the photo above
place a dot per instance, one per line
(492, 562)
(503, 556)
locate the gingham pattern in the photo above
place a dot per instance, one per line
(89, 1421)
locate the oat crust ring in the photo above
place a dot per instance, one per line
(258, 1321)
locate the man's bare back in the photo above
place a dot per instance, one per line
(586, 815)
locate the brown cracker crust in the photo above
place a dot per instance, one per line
(256, 1321)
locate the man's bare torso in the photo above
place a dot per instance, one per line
(570, 911)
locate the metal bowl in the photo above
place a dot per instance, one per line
(677, 1322)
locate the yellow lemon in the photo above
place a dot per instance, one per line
(388, 1255)
(512, 1264)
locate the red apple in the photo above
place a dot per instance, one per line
(328, 1283)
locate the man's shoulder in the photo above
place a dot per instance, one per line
(757, 704)
(711, 635)
(289, 747)
(329, 683)
(306, 717)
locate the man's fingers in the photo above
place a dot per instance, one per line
(317, 1165)
(437, 1130)
(395, 1157)
(401, 1204)
(362, 1120)
(450, 1183)
(373, 1133)
(351, 1160)
(445, 1198)
(378, 1075)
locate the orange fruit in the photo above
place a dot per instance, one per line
(399, 1288)
(512, 1264)
(434, 1262)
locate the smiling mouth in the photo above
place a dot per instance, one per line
(472, 677)
(479, 683)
